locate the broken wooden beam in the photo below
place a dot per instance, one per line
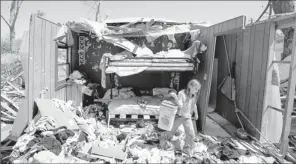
(10, 102)
(5, 106)
(8, 115)
(6, 119)
(17, 76)
(14, 87)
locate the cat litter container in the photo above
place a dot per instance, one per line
(167, 114)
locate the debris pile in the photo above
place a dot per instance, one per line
(12, 87)
(140, 141)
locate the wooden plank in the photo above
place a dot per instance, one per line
(216, 29)
(256, 73)
(244, 70)
(24, 53)
(290, 99)
(213, 92)
(21, 121)
(53, 60)
(42, 54)
(7, 115)
(210, 65)
(249, 71)
(224, 26)
(267, 57)
(240, 22)
(37, 57)
(5, 106)
(30, 84)
(5, 119)
(231, 24)
(10, 102)
(47, 56)
(15, 88)
(238, 68)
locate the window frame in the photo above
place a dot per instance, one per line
(62, 83)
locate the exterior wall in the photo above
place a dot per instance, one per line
(248, 49)
(41, 70)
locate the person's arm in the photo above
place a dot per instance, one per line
(178, 99)
(195, 112)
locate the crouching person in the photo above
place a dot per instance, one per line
(186, 101)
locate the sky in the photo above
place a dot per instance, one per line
(185, 11)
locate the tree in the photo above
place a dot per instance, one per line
(280, 7)
(95, 5)
(14, 11)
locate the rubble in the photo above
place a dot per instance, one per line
(131, 142)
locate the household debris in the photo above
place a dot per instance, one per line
(46, 141)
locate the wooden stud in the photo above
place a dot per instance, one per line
(290, 99)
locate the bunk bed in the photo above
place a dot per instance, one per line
(145, 107)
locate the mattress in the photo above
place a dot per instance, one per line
(131, 106)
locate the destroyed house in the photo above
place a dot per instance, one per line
(130, 58)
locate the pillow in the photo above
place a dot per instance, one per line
(162, 91)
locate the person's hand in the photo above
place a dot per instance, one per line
(172, 93)
(195, 117)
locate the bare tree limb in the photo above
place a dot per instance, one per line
(18, 6)
(5, 21)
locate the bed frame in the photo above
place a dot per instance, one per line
(174, 65)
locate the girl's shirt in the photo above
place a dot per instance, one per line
(188, 105)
